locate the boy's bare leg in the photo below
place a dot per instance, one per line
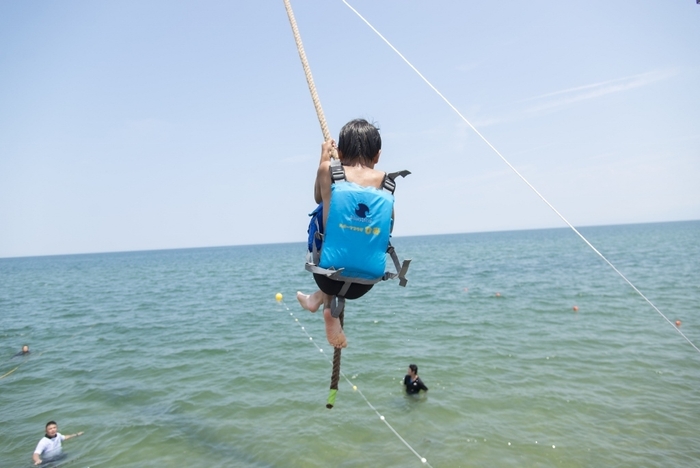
(310, 302)
(334, 332)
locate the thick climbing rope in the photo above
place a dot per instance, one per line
(335, 376)
(309, 77)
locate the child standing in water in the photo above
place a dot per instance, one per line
(359, 146)
(412, 382)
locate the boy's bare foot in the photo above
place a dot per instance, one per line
(334, 332)
(310, 302)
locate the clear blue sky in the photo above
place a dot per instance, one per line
(150, 125)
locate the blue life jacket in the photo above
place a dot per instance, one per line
(355, 243)
(357, 230)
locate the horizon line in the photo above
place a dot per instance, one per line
(304, 241)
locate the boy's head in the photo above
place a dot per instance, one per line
(51, 428)
(413, 368)
(359, 141)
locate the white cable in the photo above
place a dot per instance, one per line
(520, 175)
(354, 387)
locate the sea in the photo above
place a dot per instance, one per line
(536, 352)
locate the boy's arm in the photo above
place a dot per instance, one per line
(323, 188)
(323, 174)
(36, 456)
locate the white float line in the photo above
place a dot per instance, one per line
(354, 387)
(520, 175)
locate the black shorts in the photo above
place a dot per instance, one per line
(333, 287)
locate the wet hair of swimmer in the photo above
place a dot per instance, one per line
(414, 368)
(50, 423)
(359, 140)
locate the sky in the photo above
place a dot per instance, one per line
(138, 125)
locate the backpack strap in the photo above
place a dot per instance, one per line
(389, 183)
(401, 267)
(337, 171)
(338, 301)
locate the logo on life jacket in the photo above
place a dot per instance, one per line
(362, 210)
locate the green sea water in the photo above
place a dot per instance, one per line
(184, 358)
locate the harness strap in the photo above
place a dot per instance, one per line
(338, 301)
(337, 171)
(389, 183)
(401, 268)
(394, 175)
(337, 274)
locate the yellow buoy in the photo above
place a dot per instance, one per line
(278, 296)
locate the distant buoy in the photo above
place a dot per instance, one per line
(678, 323)
(278, 296)
(575, 308)
(354, 387)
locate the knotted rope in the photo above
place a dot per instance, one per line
(335, 376)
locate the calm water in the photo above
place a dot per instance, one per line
(184, 358)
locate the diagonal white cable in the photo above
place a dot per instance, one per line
(354, 387)
(518, 173)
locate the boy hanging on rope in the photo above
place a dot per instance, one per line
(359, 146)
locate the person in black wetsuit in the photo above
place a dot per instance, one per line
(23, 352)
(412, 382)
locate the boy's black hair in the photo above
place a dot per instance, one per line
(414, 368)
(359, 139)
(51, 422)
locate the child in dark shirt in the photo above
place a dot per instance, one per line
(412, 382)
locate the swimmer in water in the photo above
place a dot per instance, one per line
(23, 352)
(49, 447)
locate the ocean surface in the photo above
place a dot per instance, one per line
(183, 358)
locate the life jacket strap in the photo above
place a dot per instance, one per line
(401, 267)
(338, 301)
(337, 171)
(388, 184)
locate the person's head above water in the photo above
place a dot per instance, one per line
(359, 142)
(413, 369)
(51, 429)
(25, 349)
